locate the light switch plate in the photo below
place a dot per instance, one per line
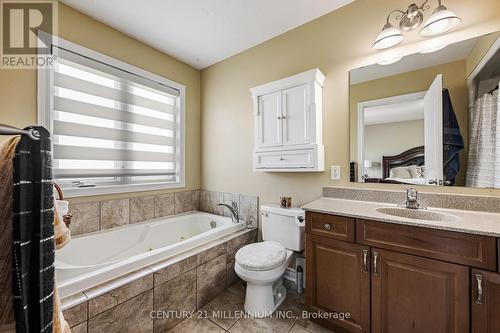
(335, 172)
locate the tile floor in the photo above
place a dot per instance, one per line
(231, 301)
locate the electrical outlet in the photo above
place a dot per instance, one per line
(335, 172)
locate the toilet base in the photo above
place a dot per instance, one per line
(262, 300)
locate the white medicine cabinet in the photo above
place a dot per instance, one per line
(288, 124)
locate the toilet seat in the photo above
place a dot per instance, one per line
(262, 256)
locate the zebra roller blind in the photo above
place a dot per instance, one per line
(112, 126)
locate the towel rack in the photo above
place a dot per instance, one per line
(9, 130)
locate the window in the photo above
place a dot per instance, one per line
(115, 128)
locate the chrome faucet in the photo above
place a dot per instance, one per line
(233, 208)
(412, 199)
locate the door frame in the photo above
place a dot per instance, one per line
(361, 121)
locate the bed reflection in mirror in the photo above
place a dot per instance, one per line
(429, 118)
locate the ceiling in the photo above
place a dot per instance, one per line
(453, 52)
(394, 112)
(200, 32)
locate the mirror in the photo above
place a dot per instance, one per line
(429, 118)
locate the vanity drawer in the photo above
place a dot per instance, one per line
(331, 226)
(285, 159)
(466, 249)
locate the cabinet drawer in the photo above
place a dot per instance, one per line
(471, 250)
(331, 226)
(285, 159)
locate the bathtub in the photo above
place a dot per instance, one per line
(91, 259)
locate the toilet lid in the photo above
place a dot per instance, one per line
(261, 256)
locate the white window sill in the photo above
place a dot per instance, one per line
(114, 189)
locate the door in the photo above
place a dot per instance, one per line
(433, 136)
(485, 302)
(269, 120)
(338, 281)
(418, 295)
(296, 115)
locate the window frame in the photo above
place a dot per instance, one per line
(45, 94)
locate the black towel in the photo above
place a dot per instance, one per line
(33, 234)
(453, 142)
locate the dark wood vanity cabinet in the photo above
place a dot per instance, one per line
(397, 278)
(414, 294)
(485, 306)
(338, 281)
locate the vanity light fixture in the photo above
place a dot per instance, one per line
(390, 61)
(388, 37)
(440, 21)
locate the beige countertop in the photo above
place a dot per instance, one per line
(465, 221)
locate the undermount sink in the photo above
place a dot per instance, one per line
(416, 214)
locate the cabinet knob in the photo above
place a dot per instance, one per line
(282, 158)
(327, 226)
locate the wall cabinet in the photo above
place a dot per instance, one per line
(396, 278)
(288, 124)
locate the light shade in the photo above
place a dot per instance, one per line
(442, 20)
(388, 37)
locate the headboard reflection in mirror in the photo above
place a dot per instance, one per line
(430, 118)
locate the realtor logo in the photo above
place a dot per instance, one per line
(22, 22)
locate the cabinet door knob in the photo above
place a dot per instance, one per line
(327, 226)
(282, 158)
(375, 263)
(479, 298)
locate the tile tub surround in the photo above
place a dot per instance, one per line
(100, 215)
(248, 205)
(185, 282)
(440, 200)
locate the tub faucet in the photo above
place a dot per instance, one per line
(412, 199)
(233, 208)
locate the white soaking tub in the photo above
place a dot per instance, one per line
(91, 259)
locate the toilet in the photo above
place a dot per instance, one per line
(263, 264)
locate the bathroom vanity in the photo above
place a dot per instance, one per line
(396, 273)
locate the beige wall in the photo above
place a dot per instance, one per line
(18, 87)
(390, 139)
(335, 43)
(419, 80)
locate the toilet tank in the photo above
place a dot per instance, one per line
(283, 225)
